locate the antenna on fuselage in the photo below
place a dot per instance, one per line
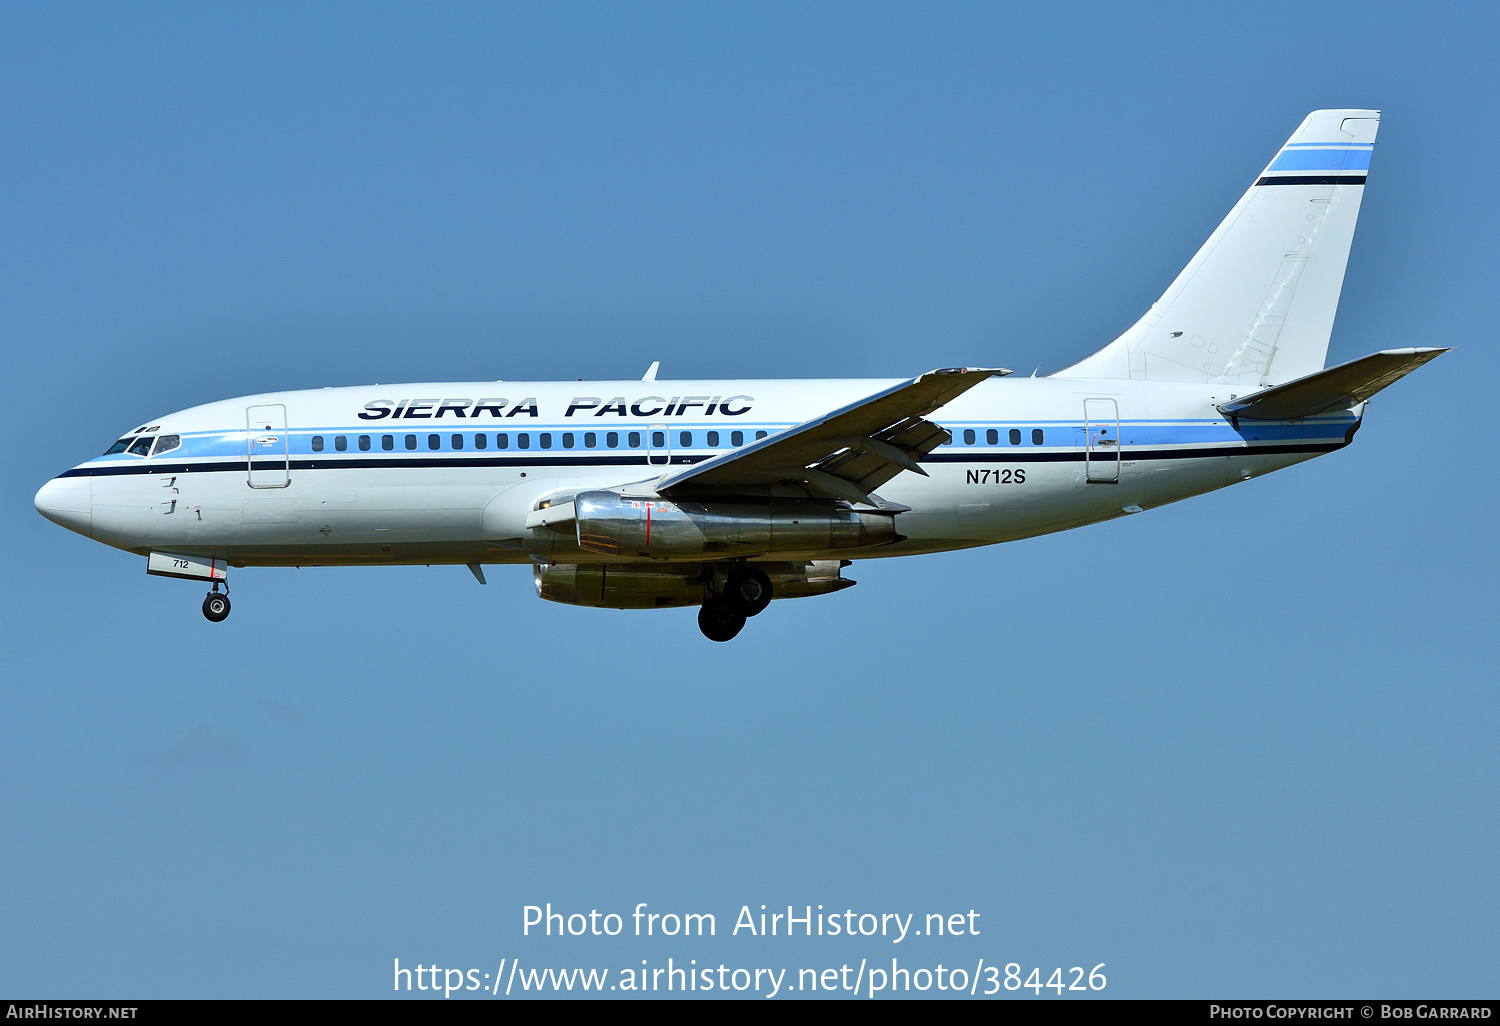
(650, 374)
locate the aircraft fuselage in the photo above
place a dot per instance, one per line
(448, 473)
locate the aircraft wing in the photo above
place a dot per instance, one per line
(1338, 387)
(847, 453)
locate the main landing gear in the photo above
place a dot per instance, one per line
(216, 606)
(747, 593)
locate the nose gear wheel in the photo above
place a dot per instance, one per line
(216, 607)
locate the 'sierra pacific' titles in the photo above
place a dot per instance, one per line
(471, 409)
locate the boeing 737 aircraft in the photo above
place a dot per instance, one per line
(728, 494)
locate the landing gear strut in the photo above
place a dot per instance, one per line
(720, 619)
(216, 606)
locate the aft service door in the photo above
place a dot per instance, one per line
(1101, 428)
(270, 455)
(658, 445)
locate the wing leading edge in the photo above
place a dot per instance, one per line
(845, 454)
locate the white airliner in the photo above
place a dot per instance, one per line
(727, 494)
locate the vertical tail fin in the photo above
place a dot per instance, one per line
(1255, 306)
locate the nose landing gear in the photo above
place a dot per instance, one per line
(216, 606)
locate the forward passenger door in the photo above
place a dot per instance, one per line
(269, 449)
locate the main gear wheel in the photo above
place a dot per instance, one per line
(720, 619)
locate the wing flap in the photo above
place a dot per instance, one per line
(867, 463)
(1338, 387)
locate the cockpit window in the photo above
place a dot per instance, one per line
(141, 446)
(166, 443)
(118, 446)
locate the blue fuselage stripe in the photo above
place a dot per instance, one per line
(584, 459)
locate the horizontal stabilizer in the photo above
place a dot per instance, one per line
(1337, 388)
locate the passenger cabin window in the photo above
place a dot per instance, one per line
(713, 439)
(481, 441)
(546, 437)
(166, 443)
(590, 440)
(634, 439)
(523, 440)
(1036, 436)
(411, 442)
(968, 436)
(119, 446)
(686, 439)
(658, 439)
(612, 439)
(736, 438)
(992, 437)
(567, 439)
(317, 443)
(759, 435)
(458, 441)
(1015, 436)
(341, 443)
(364, 443)
(141, 446)
(387, 442)
(434, 442)
(502, 441)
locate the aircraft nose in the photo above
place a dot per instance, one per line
(68, 501)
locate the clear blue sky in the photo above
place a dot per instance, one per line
(1240, 746)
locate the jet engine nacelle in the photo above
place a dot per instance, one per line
(619, 585)
(657, 585)
(660, 529)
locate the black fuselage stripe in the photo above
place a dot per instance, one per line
(1311, 180)
(437, 462)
